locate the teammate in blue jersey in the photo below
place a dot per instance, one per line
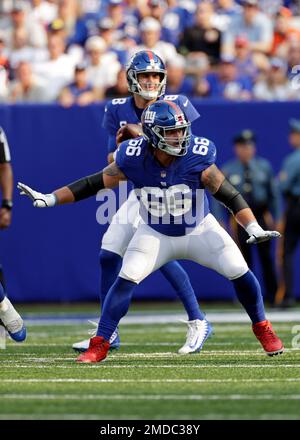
(146, 77)
(171, 169)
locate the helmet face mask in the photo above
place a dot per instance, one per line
(166, 128)
(176, 144)
(146, 62)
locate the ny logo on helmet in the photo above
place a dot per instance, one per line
(149, 117)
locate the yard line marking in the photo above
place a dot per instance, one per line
(125, 344)
(137, 356)
(165, 318)
(73, 380)
(148, 397)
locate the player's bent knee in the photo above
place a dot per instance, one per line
(135, 268)
(237, 271)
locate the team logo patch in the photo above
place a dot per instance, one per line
(180, 119)
(149, 117)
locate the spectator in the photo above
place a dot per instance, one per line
(150, 34)
(3, 53)
(75, 51)
(75, 28)
(42, 12)
(103, 66)
(120, 90)
(253, 24)
(106, 31)
(271, 7)
(58, 70)
(293, 56)
(284, 33)
(248, 63)
(36, 34)
(80, 91)
(26, 88)
(203, 37)
(226, 11)
(225, 83)
(22, 51)
(122, 23)
(172, 17)
(276, 86)
(293, 60)
(178, 83)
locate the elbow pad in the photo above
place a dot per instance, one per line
(230, 197)
(86, 187)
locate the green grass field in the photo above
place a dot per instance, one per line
(230, 379)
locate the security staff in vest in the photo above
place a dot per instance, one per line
(290, 187)
(253, 177)
(6, 186)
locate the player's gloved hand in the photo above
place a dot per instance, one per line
(39, 200)
(258, 234)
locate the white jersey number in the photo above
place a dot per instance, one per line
(118, 101)
(173, 200)
(134, 148)
(170, 97)
(201, 146)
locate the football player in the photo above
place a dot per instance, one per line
(146, 77)
(175, 219)
(9, 317)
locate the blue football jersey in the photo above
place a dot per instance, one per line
(172, 199)
(122, 111)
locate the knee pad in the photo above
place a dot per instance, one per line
(139, 259)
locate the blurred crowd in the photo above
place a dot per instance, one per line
(76, 51)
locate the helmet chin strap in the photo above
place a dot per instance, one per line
(172, 151)
(148, 94)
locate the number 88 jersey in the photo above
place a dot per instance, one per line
(172, 199)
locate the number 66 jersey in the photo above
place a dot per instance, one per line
(172, 199)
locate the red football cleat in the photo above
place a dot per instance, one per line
(268, 338)
(96, 352)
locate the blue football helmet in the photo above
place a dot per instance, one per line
(146, 61)
(159, 120)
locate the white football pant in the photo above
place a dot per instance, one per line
(123, 226)
(208, 244)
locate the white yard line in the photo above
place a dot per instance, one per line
(127, 344)
(176, 397)
(161, 318)
(74, 380)
(155, 355)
